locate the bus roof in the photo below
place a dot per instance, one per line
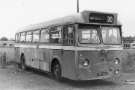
(82, 17)
(60, 21)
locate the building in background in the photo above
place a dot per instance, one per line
(128, 42)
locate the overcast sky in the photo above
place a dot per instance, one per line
(15, 14)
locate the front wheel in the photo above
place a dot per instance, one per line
(56, 71)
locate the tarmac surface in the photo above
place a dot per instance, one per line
(11, 78)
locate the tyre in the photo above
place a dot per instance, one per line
(22, 64)
(56, 70)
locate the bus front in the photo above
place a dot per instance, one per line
(99, 51)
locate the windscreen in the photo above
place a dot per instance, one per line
(111, 35)
(88, 35)
(93, 34)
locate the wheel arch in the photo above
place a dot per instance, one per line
(55, 59)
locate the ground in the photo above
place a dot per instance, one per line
(13, 79)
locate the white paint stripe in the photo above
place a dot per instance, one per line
(51, 47)
(79, 48)
(71, 47)
(26, 46)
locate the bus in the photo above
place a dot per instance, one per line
(82, 46)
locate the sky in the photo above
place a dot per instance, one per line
(15, 14)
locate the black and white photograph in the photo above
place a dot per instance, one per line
(67, 45)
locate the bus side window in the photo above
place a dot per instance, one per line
(22, 37)
(17, 37)
(44, 35)
(36, 36)
(68, 35)
(55, 35)
(28, 36)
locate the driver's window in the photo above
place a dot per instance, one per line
(68, 35)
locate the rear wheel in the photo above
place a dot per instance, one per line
(22, 65)
(56, 70)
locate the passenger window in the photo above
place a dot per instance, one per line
(44, 35)
(55, 35)
(28, 36)
(22, 39)
(36, 36)
(17, 38)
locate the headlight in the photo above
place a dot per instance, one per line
(85, 62)
(117, 61)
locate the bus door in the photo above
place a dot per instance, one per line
(68, 53)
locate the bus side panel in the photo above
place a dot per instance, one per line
(29, 55)
(34, 58)
(44, 57)
(69, 65)
(17, 54)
